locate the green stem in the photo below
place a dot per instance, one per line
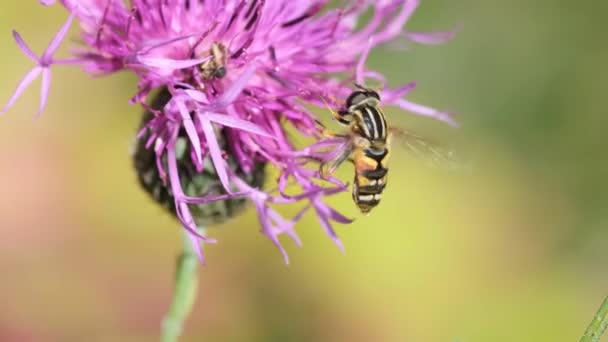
(598, 325)
(184, 294)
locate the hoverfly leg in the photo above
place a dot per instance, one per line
(344, 117)
(324, 171)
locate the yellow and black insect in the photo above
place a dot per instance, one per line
(368, 145)
(215, 67)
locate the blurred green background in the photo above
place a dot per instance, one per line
(513, 251)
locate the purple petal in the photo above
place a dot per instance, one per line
(194, 235)
(330, 232)
(238, 123)
(235, 89)
(282, 183)
(190, 130)
(336, 216)
(268, 229)
(212, 198)
(292, 234)
(183, 213)
(188, 223)
(197, 248)
(44, 90)
(25, 81)
(196, 95)
(23, 46)
(390, 95)
(168, 63)
(69, 61)
(277, 243)
(155, 44)
(301, 213)
(432, 38)
(50, 50)
(426, 111)
(394, 27)
(285, 226)
(360, 71)
(375, 75)
(215, 152)
(274, 75)
(324, 212)
(285, 198)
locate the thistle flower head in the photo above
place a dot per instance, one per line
(236, 72)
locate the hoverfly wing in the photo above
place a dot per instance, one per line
(429, 151)
(341, 154)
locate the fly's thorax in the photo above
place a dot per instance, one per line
(371, 123)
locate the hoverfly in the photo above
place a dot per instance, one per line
(368, 145)
(215, 67)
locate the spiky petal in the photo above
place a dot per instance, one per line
(282, 55)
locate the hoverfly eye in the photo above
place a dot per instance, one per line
(374, 94)
(356, 99)
(220, 72)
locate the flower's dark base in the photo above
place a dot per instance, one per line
(194, 183)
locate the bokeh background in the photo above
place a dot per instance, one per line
(514, 250)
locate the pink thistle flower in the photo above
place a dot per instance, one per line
(232, 73)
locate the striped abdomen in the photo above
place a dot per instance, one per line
(370, 177)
